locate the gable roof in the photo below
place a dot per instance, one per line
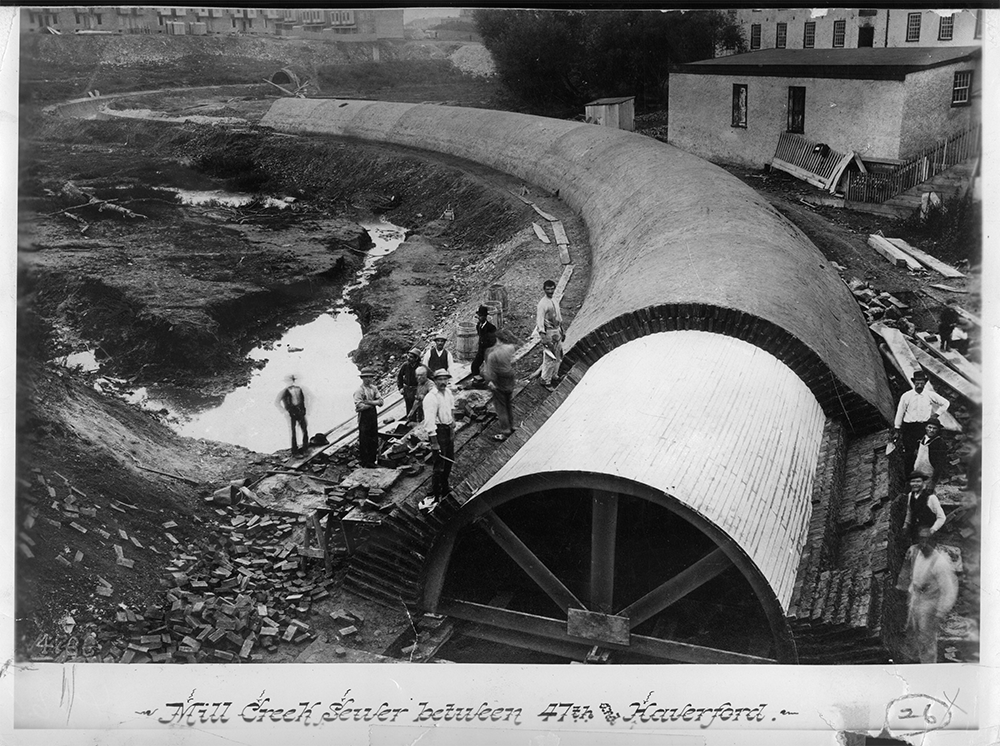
(893, 63)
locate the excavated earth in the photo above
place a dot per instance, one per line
(109, 499)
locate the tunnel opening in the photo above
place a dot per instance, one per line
(652, 544)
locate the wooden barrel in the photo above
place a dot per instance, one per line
(467, 341)
(498, 292)
(496, 313)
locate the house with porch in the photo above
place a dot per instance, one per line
(885, 104)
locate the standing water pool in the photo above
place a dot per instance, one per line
(316, 353)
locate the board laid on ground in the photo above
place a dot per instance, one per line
(892, 254)
(540, 232)
(941, 372)
(926, 259)
(956, 360)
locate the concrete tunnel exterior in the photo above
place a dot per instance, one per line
(725, 317)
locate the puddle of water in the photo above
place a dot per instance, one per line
(85, 361)
(316, 353)
(228, 199)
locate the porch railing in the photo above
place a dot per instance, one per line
(879, 187)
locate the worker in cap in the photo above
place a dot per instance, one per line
(914, 409)
(923, 509)
(367, 399)
(424, 384)
(932, 453)
(487, 333)
(406, 377)
(439, 423)
(293, 399)
(436, 357)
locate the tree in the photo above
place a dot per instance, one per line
(561, 59)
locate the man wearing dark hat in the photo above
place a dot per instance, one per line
(923, 509)
(487, 338)
(931, 458)
(366, 401)
(439, 422)
(293, 399)
(406, 378)
(916, 407)
(436, 357)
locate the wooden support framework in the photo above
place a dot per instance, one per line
(676, 588)
(603, 534)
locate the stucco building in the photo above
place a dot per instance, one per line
(848, 28)
(881, 103)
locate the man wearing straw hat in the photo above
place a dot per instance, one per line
(436, 357)
(439, 422)
(366, 401)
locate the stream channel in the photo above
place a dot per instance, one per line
(316, 353)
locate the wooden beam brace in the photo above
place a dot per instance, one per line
(603, 534)
(526, 559)
(676, 588)
(545, 628)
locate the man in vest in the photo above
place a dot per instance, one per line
(436, 357)
(923, 509)
(916, 406)
(406, 378)
(439, 422)
(293, 399)
(932, 453)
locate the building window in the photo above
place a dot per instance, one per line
(809, 35)
(961, 91)
(77, 17)
(781, 36)
(160, 19)
(979, 25)
(796, 109)
(98, 17)
(946, 28)
(866, 36)
(913, 26)
(755, 36)
(867, 12)
(839, 33)
(740, 105)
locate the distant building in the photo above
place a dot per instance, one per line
(344, 24)
(853, 28)
(613, 112)
(881, 103)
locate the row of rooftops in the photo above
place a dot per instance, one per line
(891, 63)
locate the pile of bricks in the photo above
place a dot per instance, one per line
(883, 307)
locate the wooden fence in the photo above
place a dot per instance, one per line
(879, 187)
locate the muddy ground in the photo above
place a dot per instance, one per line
(180, 293)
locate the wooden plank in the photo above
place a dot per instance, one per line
(949, 289)
(926, 259)
(564, 257)
(947, 376)
(969, 316)
(542, 212)
(799, 173)
(540, 232)
(956, 360)
(521, 197)
(676, 588)
(892, 254)
(554, 629)
(597, 627)
(560, 233)
(603, 536)
(529, 562)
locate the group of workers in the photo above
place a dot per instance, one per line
(927, 573)
(423, 381)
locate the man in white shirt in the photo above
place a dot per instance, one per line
(548, 324)
(916, 406)
(439, 422)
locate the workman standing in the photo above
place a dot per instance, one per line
(932, 453)
(436, 357)
(498, 370)
(487, 338)
(946, 325)
(439, 422)
(367, 399)
(923, 509)
(293, 399)
(928, 576)
(416, 412)
(548, 324)
(915, 408)
(406, 378)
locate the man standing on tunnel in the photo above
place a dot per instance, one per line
(439, 422)
(548, 324)
(915, 408)
(487, 338)
(406, 378)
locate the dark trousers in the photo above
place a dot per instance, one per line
(442, 468)
(477, 361)
(409, 396)
(367, 437)
(911, 433)
(300, 420)
(503, 405)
